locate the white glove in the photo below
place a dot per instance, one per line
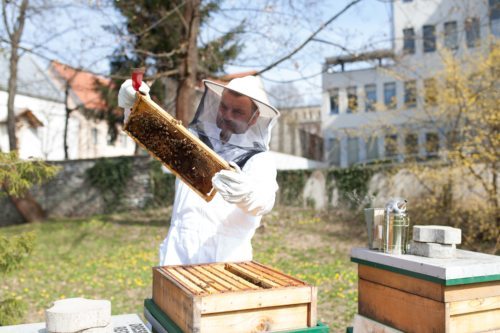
(236, 187)
(126, 96)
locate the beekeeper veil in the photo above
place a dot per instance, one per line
(235, 120)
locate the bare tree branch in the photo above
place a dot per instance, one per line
(167, 14)
(170, 54)
(5, 21)
(297, 49)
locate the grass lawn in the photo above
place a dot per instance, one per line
(110, 257)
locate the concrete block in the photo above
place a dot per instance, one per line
(78, 314)
(363, 324)
(437, 234)
(432, 250)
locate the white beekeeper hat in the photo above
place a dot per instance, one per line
(250, 86)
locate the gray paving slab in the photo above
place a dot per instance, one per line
(124, 323)
(437, 234)
(432, 250)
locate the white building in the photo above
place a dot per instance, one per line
(40, 109)
(379, 109)
(93, 135)
(298, 132)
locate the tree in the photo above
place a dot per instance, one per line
(14, 30)
(460, 182)
(13, 250)
(16, 177)
(164, 36)
(285, 95)
(469, 105)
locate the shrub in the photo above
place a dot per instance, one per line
(12, 251)
(110, 176)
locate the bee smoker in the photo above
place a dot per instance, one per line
(396, 227)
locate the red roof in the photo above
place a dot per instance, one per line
(83, 85)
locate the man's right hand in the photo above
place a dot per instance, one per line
(126, 96)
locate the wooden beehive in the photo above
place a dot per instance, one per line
(419, 294)
(166, 139)
(233, 297)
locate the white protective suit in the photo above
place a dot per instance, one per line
(221, 230)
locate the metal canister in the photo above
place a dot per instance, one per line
(396, 227)
(374, 218)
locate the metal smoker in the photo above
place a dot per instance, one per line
(396, 227)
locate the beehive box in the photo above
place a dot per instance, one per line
(166, 139)
(233, 297)
(420, 294)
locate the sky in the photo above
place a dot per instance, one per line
(272, 34)
(364, 27)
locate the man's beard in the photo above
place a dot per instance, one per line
(225, 135)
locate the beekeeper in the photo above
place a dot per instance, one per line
(235, 121)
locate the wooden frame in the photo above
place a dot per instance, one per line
(179, 150)
(233, 297)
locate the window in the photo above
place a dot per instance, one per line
(472, 32)
(409, 41)
(95, 136)
(334, 151)
(371, 97)
(411, 94)
(429, 32)
(495, 17)
(451, 35)
(372, 148)
(411, 146)
(352, 150)
(431, 144)
(334, 101)
(390, 95)
(407, 0)
(391, 145)
(430, 87)
(352, 100)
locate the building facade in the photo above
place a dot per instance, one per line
(44, 94)
(39, 111)
(298, 132)
(81, 90)
(380, 107)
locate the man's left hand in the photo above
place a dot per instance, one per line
(233, 186)
(251, 195)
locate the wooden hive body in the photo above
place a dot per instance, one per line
(166, 139)
(233, 297)
(419, 294)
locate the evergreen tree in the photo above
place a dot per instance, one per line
(16, 177)
(163, 37)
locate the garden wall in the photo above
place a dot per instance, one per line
(96, 186)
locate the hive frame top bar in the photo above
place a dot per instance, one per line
(208, 279)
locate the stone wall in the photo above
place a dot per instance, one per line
(70, 194)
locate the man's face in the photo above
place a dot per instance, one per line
(236, 114)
